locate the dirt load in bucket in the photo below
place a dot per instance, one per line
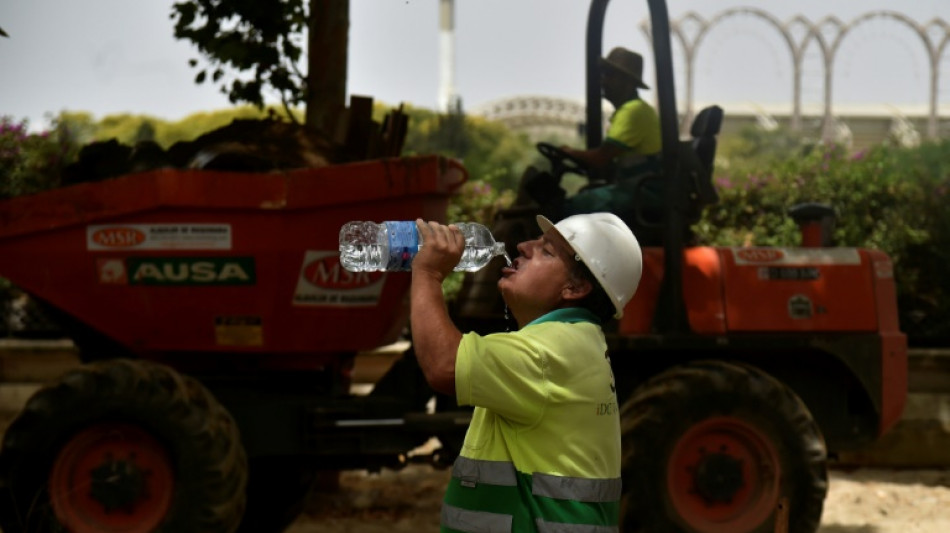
(250, 145)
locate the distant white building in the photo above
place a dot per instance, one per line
(858, 126)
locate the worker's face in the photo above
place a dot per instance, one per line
(613, 84)
(539, 280)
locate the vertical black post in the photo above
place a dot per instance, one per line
(670, 315)
(671, 308)
(594, 51)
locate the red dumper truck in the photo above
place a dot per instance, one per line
(219, 331)
(218, 334)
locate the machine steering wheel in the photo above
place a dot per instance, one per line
(561, 161)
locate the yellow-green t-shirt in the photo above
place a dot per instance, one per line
(545, 416)
(636, 127)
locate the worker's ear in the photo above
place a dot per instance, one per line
(576, 288)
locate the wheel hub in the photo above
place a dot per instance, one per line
(118, 484)
(719, 477)
(723, 476)
(111, 477)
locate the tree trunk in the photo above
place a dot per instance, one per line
(326, 75)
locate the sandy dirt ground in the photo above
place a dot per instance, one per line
(863, 500)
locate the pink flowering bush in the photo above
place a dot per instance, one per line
(32, 162)
(478, 201)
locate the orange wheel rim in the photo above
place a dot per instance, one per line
(111, 478)
(723, 476)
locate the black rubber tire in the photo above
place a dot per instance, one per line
(661, 412)
(200, 437)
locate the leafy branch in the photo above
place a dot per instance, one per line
(259, 42)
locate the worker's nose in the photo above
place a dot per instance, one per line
(524, 248)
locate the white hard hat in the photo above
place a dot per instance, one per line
(607, 246)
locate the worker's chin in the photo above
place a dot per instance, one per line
(504, 287)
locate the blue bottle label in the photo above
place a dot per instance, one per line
(403, 245)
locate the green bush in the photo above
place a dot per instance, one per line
(476, 201)
(32, 162)
(493, 155)
(888, 198)
(490, 151)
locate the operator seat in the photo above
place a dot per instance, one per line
(696, 160)
(704, 130)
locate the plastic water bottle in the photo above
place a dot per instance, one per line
(391, 246)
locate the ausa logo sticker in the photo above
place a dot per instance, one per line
(191, 271)
(324, 282)
(111, 271)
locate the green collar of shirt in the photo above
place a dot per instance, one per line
(571, 315)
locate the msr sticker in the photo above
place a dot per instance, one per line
(159, 237)
(324, 282)
(191, 271)
(239, 330)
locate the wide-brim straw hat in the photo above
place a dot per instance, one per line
(627, 63)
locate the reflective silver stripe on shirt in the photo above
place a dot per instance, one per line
(576, 488)
(475, 521)
(557, 527)
(471, 472)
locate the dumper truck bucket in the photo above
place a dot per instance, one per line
(202, 262)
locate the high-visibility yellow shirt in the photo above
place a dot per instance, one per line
(542, 452)
(636, 127)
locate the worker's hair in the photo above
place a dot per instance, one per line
(597, 301)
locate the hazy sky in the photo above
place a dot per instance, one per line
(112, 56)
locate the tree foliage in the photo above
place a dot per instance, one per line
(256, 47)
(493, 155)
(250, 46)
(491, 152)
